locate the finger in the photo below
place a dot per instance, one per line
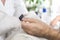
(29, 20)
(28, 28)
(26, 25)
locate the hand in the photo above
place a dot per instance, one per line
(34, 27)
(53, 23)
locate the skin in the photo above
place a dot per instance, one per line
(53, 23)
(40, 29)
(3, 1)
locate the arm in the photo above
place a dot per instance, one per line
(39, 28)
(52, 34)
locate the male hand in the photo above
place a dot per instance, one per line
(35, 27)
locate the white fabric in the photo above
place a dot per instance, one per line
(7, 23)
(13, 7)
(8, 7)
(21, 36)
(55, 8)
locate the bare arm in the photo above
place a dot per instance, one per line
(39, 28)
(52, 34)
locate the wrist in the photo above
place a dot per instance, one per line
(52, 34)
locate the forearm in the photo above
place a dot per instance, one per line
(52, 34)
(48, 32)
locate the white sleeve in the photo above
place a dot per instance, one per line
(20, 7)
(8, 23)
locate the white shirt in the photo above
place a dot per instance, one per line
(13, 7)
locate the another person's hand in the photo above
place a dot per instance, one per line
(54, 22)
(35, 27)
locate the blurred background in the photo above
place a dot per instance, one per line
(41, 7)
